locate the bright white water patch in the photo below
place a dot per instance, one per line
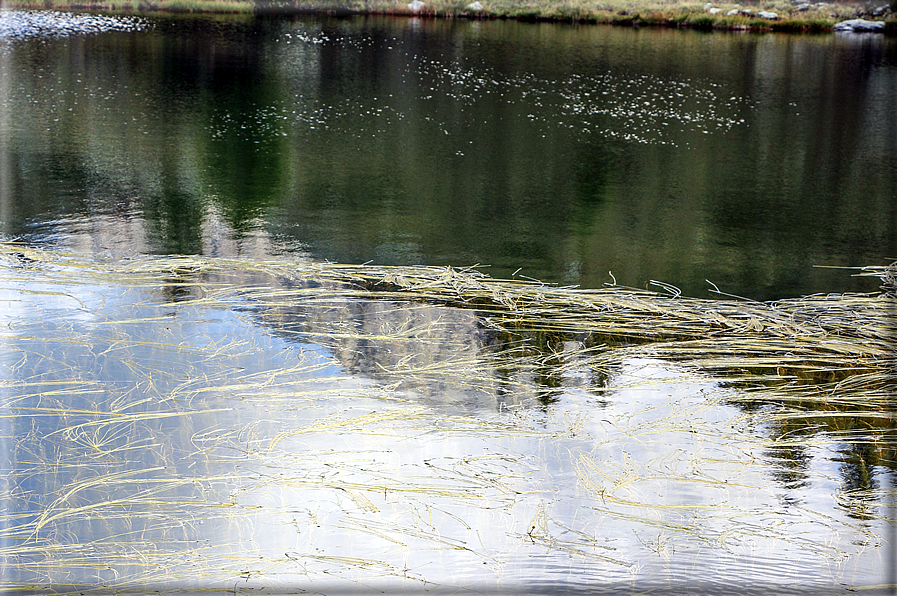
(27, 24)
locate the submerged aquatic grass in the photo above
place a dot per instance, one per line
(209, 423)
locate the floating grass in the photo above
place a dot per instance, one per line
(291, 424)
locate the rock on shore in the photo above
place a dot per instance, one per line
(860, 25)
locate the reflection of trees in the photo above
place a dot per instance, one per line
(807, 374)
(824, 171)
(428, 168)
(174, 215)
(444, 355)
(789, 465)
(447, 148)
(865, 437)
(219, 78)
(857, 471)
(466, 355)
(122, 129)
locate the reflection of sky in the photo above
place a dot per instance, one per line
(230, 453)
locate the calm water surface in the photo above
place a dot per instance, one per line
(190, 426)
(565, 152)
(230, 430)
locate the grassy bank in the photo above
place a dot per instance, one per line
(724, 15)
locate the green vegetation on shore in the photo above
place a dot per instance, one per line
(724, 15)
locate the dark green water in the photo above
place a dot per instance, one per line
(566, 152)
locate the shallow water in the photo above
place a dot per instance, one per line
(576, 155)
(237, 430)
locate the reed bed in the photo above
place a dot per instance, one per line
(199, 423)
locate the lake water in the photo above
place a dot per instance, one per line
(574, 154)
(250, 419)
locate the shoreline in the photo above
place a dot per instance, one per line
(750, 15)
